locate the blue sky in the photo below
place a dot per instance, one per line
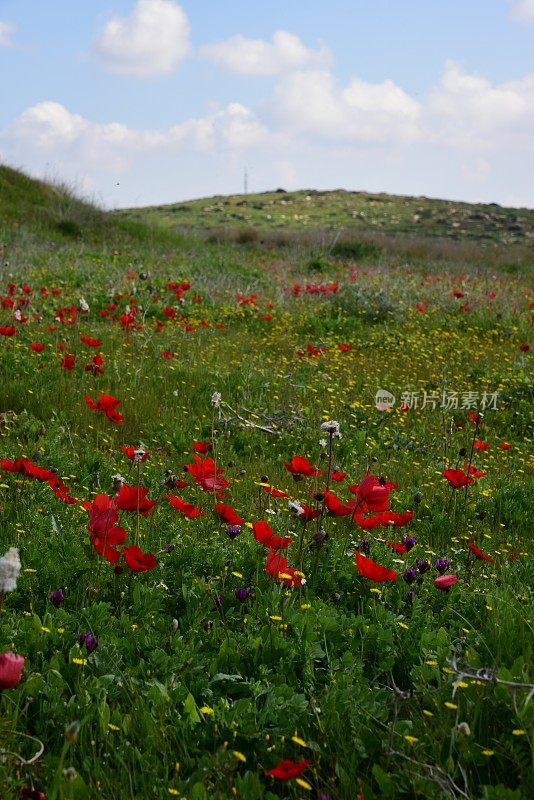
(137, 102)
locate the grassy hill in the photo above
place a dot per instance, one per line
(38, 211)
(350, 212)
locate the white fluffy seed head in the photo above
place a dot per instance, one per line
(9, 570)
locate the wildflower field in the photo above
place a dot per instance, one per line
(265, 514)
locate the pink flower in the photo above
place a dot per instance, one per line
(444, 582)
(10, 670)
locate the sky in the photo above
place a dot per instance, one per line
(145, 102)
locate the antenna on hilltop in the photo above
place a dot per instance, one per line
(245, 181)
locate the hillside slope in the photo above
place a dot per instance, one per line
(383, 214)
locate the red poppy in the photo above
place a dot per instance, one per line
(338, 476)
(202, 468)
(480, 445)
(373, 493)
(505, 446)
(308, 513)
(335, 507)
(134, 498)
(475, 418)
(187, 509)
(397, 547)
(130, 452)
(108, 405)
(7, 330)
(445, 582)
(228, 515)
(286, 769)
(10, 670)
(90, 342)
(276, 567)
(68, 362)
(473, 471)
(95, 366)
(37, 347)
(168, 355)
(344, 348)
(272, 492)
(478, 552)
(301, 467)
(201, 447)
(457, 293)
(264, 534)
(457, 478)
(373, 571)
(137, 560)
(524, 347)
(103, 533)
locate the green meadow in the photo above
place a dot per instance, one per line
(239, 577)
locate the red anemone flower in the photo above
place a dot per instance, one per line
(286, 769)
(308, 513)
(457, 478)
(480, 445)
(187, 509)
(108, 405)
(272, 492)
(201, 447)
(335, 507)
(137, 560)
(505, 446)
(134, 498)
(373, 493)
(338, 476)
(300, 467)
(264, 534)
(130, 452)
(90, 342)
(37, 347)
(397, 547)
(228, 515)
(68, 362)
(478, 552)
(373, 571)
(473, 471)
(276, 567)
(104, 534)
(7, 330)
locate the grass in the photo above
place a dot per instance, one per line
(192, 692)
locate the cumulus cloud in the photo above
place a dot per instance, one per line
(151, 41)
(468, 111)
(6, 29)
(310, 102)
(51, 128)
(523, 10)
(259, 57)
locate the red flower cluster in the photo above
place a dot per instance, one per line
(25, 467)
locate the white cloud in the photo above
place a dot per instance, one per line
(151, 41)
(51, 128)
(259, 57)
(6, 29)
(310, 103)
(523, 10)
(468, 111)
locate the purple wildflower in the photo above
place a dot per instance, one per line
(423, 565)
(243, 594)
(56, 597)
(232, 531)
(410, 575)
(409, 542)
(442, 565)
